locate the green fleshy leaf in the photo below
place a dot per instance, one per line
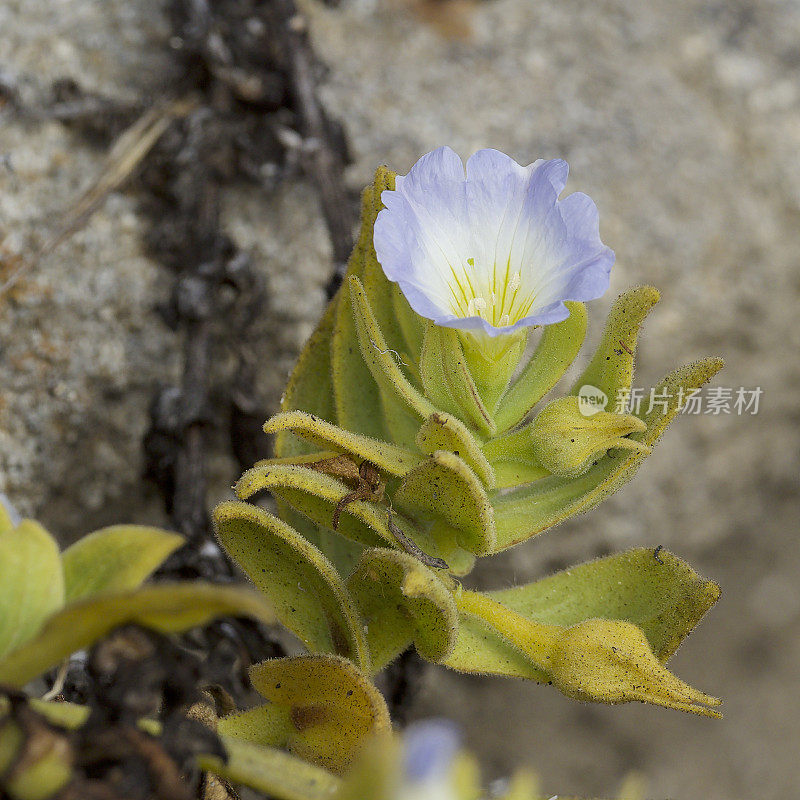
(658, 592)
(448, 381)
(340, 551)
(168, 608)
(380, 360)
(387, 457)
(665, 598)
(602, 660)
(356, 394)
(333, 707)
(400, 601)
(445, 432)
(316, 495)
(525, 512)
(272, 772)
(399, 324)
(31, 581)
(304, 587)
(115, 559)
(413, 329)
(444, 487)
(611, 367)
(557, 349)
(267, 725)
(310, 386)
(481, 650)
(65, 715)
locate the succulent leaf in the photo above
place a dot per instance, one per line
(529, 510)
(304, 587)
(611, 367)
(607, 661)
(115, 559)
(275, 773)
(31, 581)
(332, 706)
(662, 597)
(401, 600)
(446, 432)
(168, 608)
(445, 487)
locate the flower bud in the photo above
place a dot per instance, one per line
(566, 441)
(610, 661)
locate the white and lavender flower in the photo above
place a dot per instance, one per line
(429, 748)
(492, 250)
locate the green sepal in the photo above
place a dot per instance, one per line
(513, 459)
(168, 608)
(556, 350)
(444, 487)
(445, 432)
(115, 559)
(272, 772)
(388, 457)
(655, 591)
(525, 512)
(492, 363)
(333, 708)
(611, 367)
(400, 600)
(448, 381)
(303, 586)
(31, 581)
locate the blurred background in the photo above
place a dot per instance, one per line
(680, 118)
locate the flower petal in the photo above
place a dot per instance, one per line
(490, 247)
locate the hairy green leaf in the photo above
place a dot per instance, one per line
(168, 608)
(444, 487)
(387, 457)
(31, 582)
(400, 601)
(277, 774)
(446, 432)
(304, 587)
(611, 367)
(115, 559)
(333, 707)
(662, 595)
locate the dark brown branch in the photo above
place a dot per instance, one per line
(323, 160)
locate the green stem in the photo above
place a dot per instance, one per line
(534, 639)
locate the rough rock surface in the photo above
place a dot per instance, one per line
(681, 119)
